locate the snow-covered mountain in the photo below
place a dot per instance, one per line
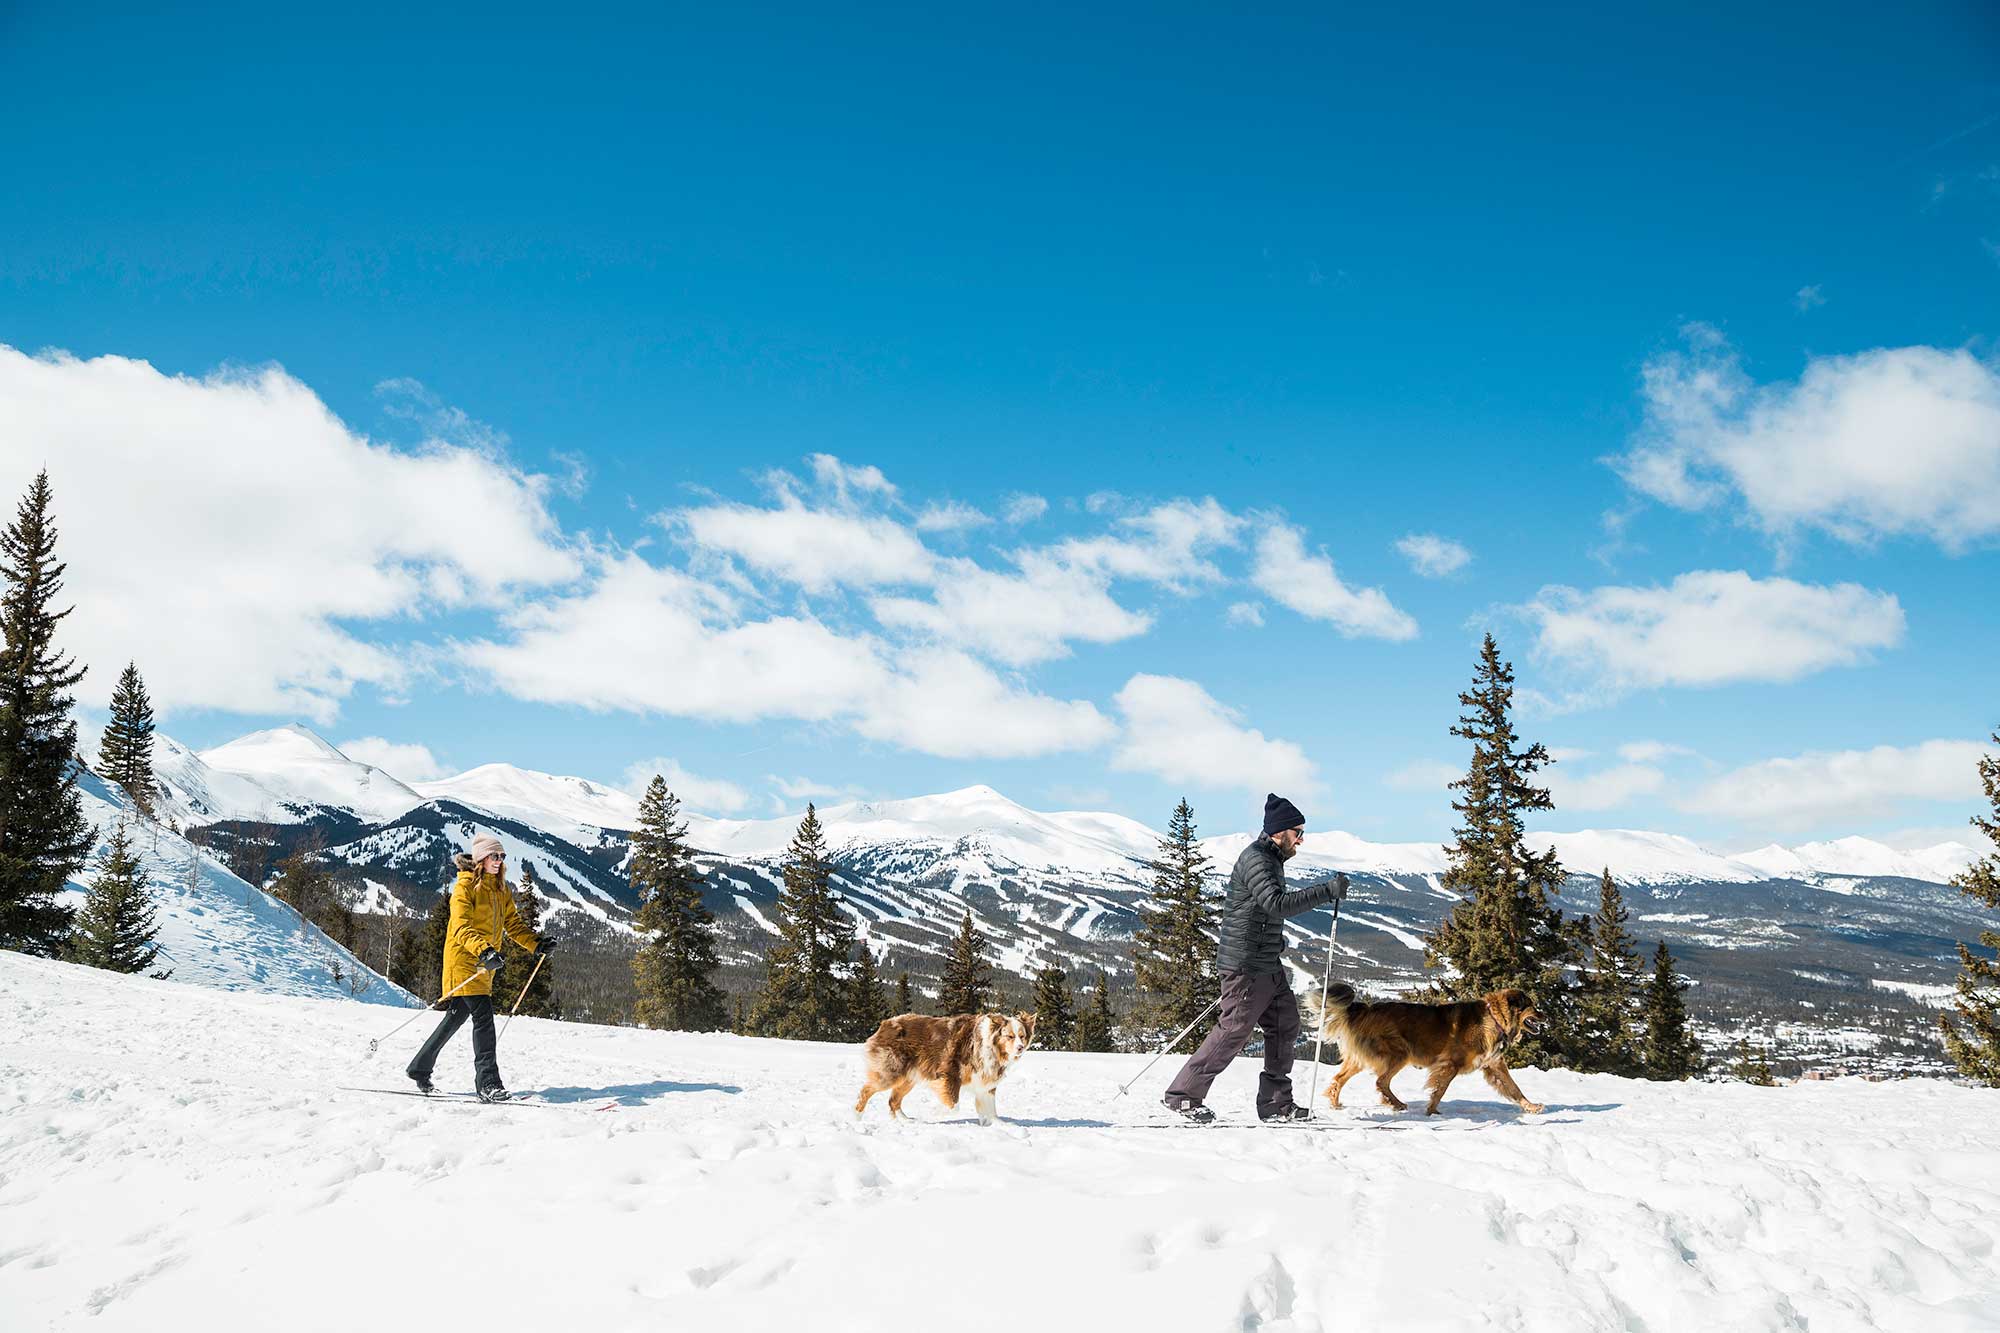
(298, 767)
(558, 805)
(215, 929)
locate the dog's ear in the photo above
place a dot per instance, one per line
(1028, 1023)
(1516, 1004)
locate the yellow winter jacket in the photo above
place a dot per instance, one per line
(482, 909)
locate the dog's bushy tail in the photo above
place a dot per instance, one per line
(1328, 1012)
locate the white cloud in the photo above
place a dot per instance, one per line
(1250, 614)
(231, 534)
(1606, 789)
(949, 516)
(1018, 618)
(1891, 442)
(717, 795)
(945, 703)
(817, 549)
(1433, 556)
(1651, 752)
(1021, 509)
(808, 789)
(1167, 544)
(1423, 775)
(1711, 627)
(1563, 754)
(1809, 298)
(407, 763)
(1176, 731)
(1824, 786)
(848, 482)
(655, 641)
(1307, 584)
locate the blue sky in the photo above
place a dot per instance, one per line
(1679, 324)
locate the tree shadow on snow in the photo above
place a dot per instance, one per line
(633, 1094)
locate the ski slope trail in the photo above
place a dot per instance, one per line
(180, 1158)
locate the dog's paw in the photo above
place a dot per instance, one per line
(1533, 1108)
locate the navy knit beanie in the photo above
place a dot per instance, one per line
(1280, 814)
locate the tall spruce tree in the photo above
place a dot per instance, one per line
(1055, 1011)
(125, 753)
(674, 970)
(520, 973)
(804, 995)
(430, 947)
(1609, 1010)
(1972, 1038)
(1671, 1052)
(43, 835)
(867, 1000)
(1096, 1027)
(965, 986)
(1173, 955)
(905, 1002)
(1507, 929)
(116, 930)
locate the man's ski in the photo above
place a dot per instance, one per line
(473, 1098)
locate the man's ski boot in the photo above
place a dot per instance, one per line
(1190, 1110)
(424, 1084)
(496, 1093)
(1285, 1115)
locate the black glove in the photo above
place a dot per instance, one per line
(491, 961)
(544, 948)
(1338, 893)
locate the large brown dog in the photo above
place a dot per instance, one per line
(965, 1051)
(1446, 1039)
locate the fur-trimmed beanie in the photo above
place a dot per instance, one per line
(1280, 814)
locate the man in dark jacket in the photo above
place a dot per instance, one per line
(1255, 992)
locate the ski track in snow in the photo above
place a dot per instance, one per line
(179, 1158)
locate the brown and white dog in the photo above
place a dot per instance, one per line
(964, 1051)
(1446, 1039)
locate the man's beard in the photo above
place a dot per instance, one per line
(1286, 853)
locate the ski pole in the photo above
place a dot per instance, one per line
(522, 996)
(1326, 981)
(376, 1044)
(1170, 1045)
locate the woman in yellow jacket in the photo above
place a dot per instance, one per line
(482, 910)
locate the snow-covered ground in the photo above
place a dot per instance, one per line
(173, 1157)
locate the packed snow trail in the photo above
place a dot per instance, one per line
(178, 1158)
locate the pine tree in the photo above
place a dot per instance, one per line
(1608, 1012)
(1752, 1065)
(1507, 929)
(116, 929)
(674, 970)
(867, 1001)
(1671, 1051)
(540, 1001)
(904, 1003)
(1173, 955)
(43, 835)
(965, 986)
(1055, 1011)
(803, 996)
(1975, 1047)
(1096, 1026)
(306, 884)
(125, 754)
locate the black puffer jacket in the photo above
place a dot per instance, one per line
(1253, 916)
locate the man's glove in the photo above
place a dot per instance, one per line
(544, 948)
(491, 961)
(1339, 890)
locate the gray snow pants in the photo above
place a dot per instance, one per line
(485, 1055)
(1259, 1000)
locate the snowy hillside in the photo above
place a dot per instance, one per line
(216, 930)
(173, 1158)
